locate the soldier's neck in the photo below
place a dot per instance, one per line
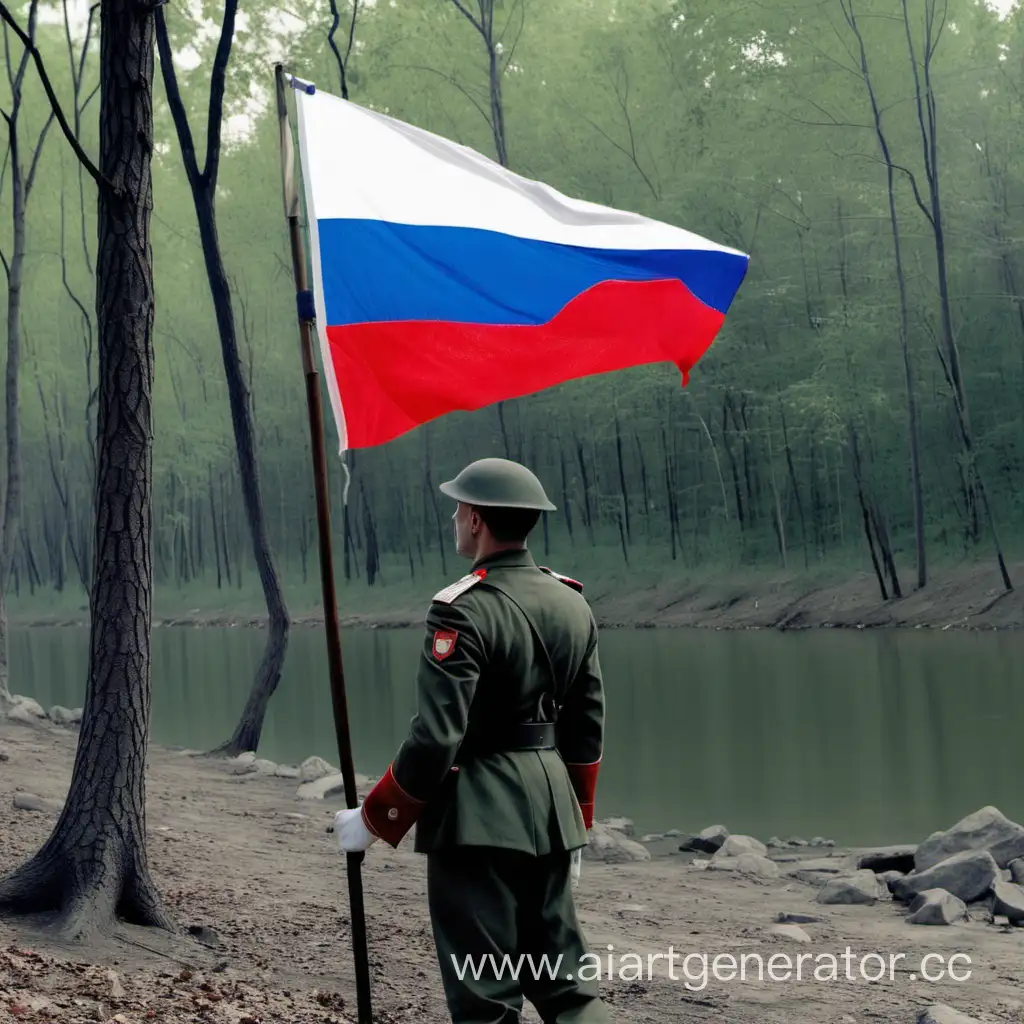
(490, 550)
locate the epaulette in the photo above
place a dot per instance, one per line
(453, 590)
(567, 580)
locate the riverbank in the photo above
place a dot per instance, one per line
(247, 864)
(956, 597)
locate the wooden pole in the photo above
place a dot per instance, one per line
(323, 519)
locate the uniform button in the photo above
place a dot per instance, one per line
(393, 813)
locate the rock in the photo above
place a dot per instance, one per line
(936, 906)
(612, 846)
(733, 846)
(623, 825)
(708, 841)
(33, 707)
(784, 917)
(967, 875)
(4, 756)
(76, 717)
(860, 887)
(322, 788)
(940, 1014)
(264, 767)
(672, 833)
(116, 988)
(1009, 901)
(774, 843)
(746, 864)
(888, 858)
(988, 829)
(31, 802)
(819, 841)
(246, 759)
(1016, 867)
(59, 715)
(791, 931)
(315, 768)
(888, 877)
(796, 841)
(286, 771)
(652, 837)
(23, 715)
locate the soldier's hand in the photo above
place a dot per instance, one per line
(353, 835)
(575, 866)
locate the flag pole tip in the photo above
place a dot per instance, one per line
(297, 83)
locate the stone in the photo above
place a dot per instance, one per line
(888, 858)
(709, 840)
(987, 829)
(746, 864)
(623, 825)
(820, 841)
(264, 767)
(673, 833)
(733, 846)
(967, 875)
(286, 771)
(887, 877)
(941, 1014)
(1016, 869)
(33, 707)
(652, 837)
(59, 715)
(796, 841)
(784, 917)
(774, 843)
(791, 931)
(22, 715)
(1009, 901)
(31, 802)
(76, 716)
(860, 887)
(612, 846)
(4, 756)
(936, 906)
(116, 988)
(246, 759)
(315, 768)
(322, 788)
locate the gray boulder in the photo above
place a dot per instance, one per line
(1008, 901)
(791, 931)
(785, 917)
(22, 715)
(888, 858)
(1017, 870)
(733, 846)
(709, 840)
(315, 768)
(326, 787)
(623, 825)
(940, 1014)
(31, 802)
(33, 707)
(860, 887)
(967, 875)
(59, 715)
(936, 906)
(746, 864)
(988, 829)
(613, 847)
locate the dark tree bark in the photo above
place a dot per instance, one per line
(93, 866)
(204, 190)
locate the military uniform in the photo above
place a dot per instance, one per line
(498, 775)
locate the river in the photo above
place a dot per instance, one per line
(861, 737)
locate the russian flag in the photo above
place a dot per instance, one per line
(442, 281)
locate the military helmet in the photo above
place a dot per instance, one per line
(498, 482)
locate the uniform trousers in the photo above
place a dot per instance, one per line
(485, 900)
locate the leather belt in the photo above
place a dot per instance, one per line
(522, 736)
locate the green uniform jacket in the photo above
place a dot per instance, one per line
(481, 669)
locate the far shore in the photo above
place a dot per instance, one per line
(967, 597)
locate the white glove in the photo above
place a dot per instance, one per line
(353, 835)
(575, 866)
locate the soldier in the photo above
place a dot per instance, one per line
(499, 769)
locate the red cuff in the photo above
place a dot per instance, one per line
(388, 811)
(584, 784)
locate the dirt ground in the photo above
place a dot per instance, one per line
(238, 856)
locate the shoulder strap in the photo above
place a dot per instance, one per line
(557, 691)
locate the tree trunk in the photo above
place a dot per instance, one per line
(93, 866)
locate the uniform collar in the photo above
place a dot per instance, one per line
(507, 560)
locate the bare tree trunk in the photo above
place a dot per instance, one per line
(94, 865)
(204, 189)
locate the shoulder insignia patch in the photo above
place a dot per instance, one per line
(454, 590)
(567, 580)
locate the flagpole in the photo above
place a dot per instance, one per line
(336, 670)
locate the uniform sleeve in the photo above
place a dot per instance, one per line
(450, 665)
(581, 728)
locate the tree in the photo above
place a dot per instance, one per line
(203, 184)
(22, 180)
(93, 866)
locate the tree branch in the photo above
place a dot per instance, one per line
(217, 86)
(178, 113)
(33, 167)
(469, 17)
(451, 81)
(342, 61)
(30, 46)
